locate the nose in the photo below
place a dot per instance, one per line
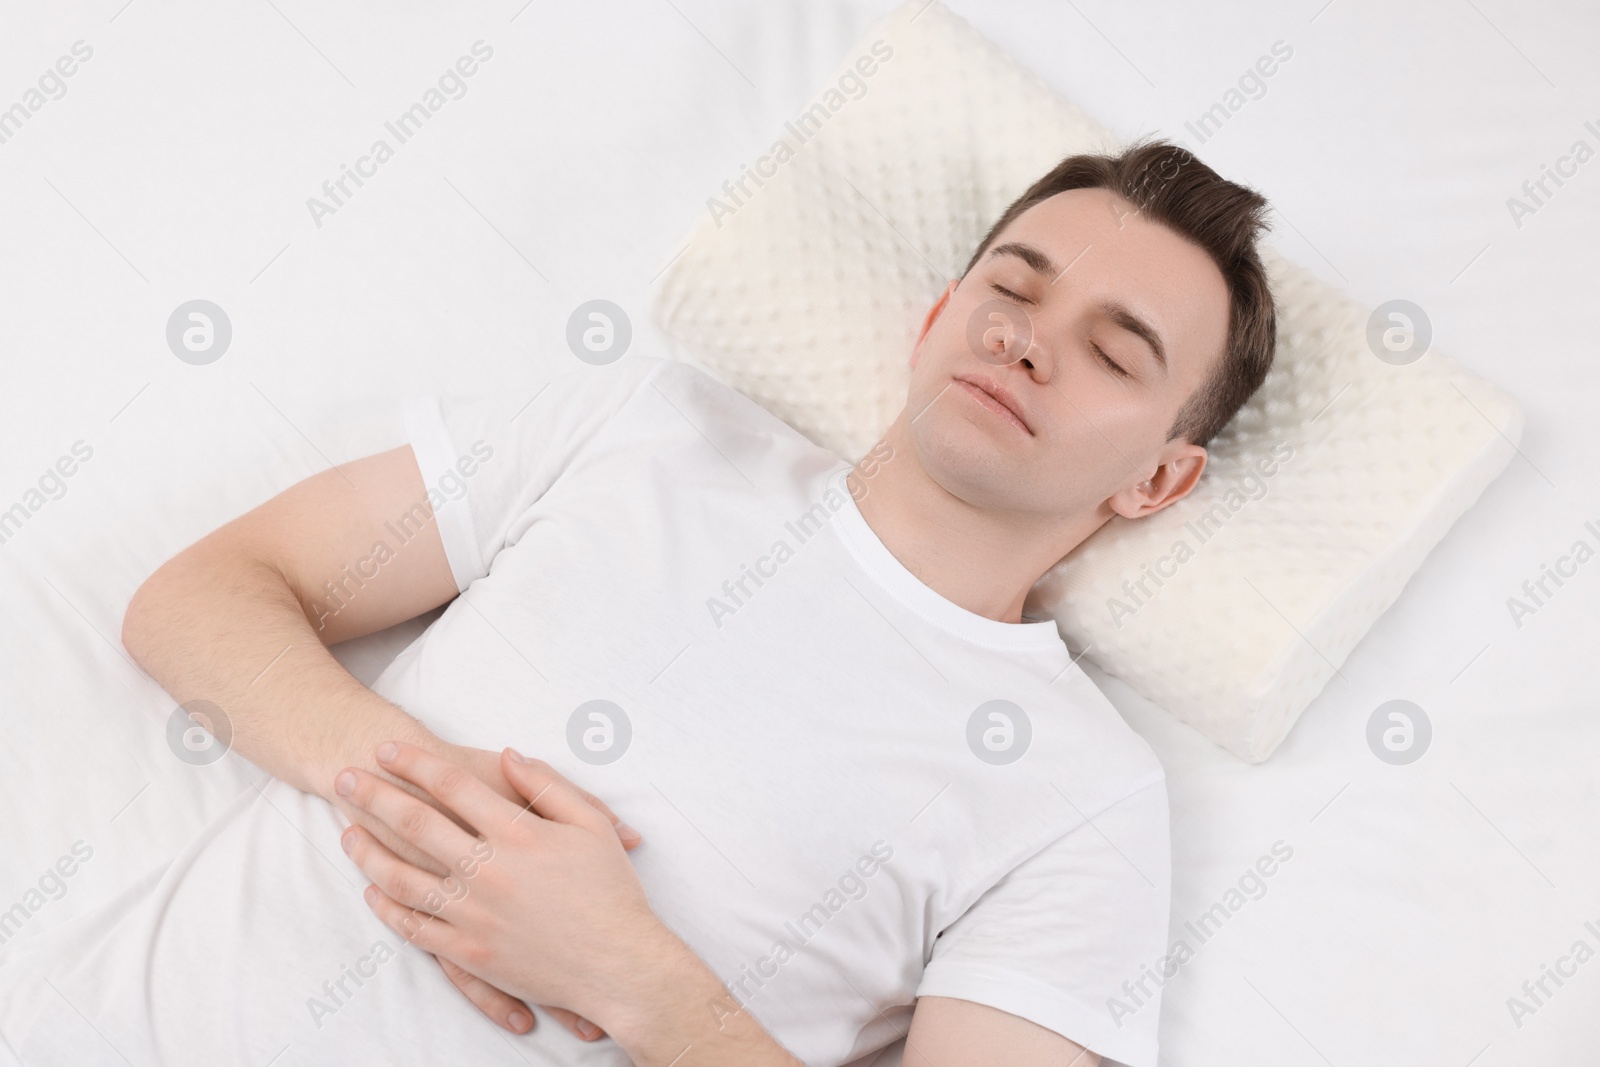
(1038, 359)
(1039, 363)
(1000, 333)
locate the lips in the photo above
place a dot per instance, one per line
(996, 397)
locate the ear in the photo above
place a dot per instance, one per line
(1178, 473)
(933, 313)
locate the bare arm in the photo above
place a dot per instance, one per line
(674, 1013)
(242, 618)
(232, 619)
(945, 1030)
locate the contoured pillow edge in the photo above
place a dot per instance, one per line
(805, 290)
(1365, 509)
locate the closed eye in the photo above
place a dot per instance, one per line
(1116, 368)
(1111, 365)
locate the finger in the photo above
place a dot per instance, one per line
(626, 834)
(447, 783)
(399, 880)
(390, 840)
(575, 1023)
(413, 820)
(629, 837)
(502, 1008)
(550, 795)
(428, 932)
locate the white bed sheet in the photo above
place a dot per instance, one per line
(178, 163)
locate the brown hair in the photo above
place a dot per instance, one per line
(1170, 186)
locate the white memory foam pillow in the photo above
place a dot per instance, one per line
(807, 278)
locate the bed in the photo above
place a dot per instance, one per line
(202, 153)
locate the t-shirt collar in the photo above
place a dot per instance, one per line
(892, 576)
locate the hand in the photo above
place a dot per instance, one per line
(484, 766)
(544, 905)
(505, 1010)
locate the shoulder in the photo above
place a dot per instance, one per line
(1110, 760)
(695, 389)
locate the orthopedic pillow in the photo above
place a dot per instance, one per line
(806, 281)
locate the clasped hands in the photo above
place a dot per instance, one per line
(541, 904)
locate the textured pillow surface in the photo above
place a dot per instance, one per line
(804, 284)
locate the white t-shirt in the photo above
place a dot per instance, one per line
(837, 815)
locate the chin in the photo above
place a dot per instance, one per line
(968, 463)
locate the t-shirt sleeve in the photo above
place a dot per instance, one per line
(486, 459)
(1055, 940)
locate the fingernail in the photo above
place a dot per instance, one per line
(370, 894)
(519, 1021)
(519, 757)
(624, 830)
(347, 840)
(345, 784)
(388, 751)
(588, 1029)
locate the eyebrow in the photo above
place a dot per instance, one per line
(1116, 311)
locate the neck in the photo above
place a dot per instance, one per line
(982, 559)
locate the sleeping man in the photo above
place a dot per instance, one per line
(875, 800)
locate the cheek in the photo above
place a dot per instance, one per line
(1099, 426)
(959, 327)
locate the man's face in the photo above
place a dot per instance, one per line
(1071, 342)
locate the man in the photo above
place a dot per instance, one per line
(873, 796)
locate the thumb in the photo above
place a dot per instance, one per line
(549, 794)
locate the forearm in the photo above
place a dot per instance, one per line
(232, 632)
(670, 1008)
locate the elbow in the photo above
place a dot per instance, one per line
(136, 621)
(142, 618)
